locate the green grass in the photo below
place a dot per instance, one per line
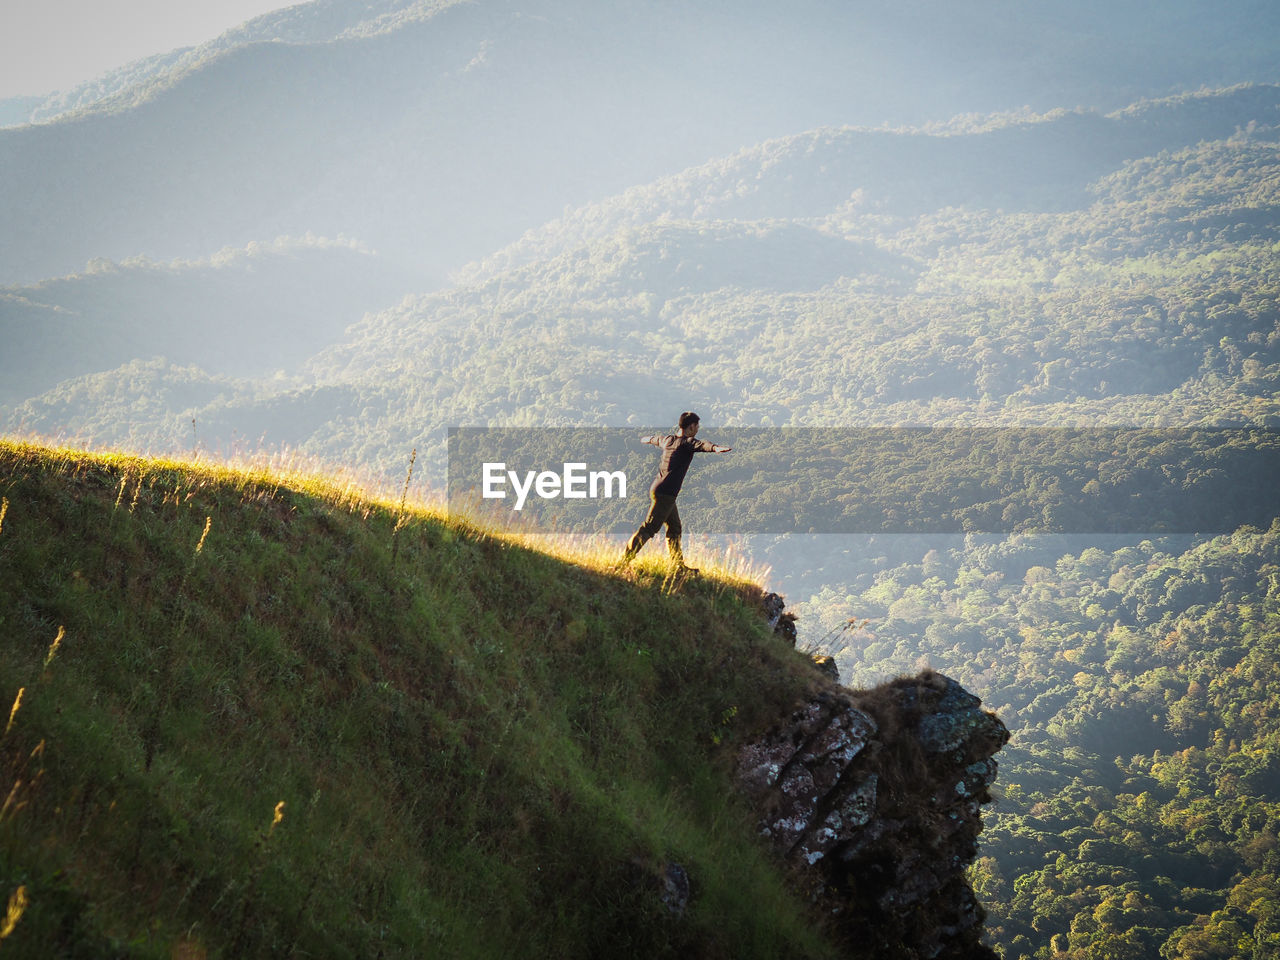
(483, 749)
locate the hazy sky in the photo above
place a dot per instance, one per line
(48, 45)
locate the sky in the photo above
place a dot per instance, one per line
(51, 45)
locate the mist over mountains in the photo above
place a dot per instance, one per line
(510, 217)
(1101, 269)
(246, 312)
(436, 132)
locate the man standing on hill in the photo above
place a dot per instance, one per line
(677, 453)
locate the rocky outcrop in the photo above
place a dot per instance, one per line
(783, 623)
(874, 796)
(827, 667)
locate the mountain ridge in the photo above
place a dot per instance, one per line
(610, 284)
(135, 82)
(283, 298)
(1141, 129)
(495, 99)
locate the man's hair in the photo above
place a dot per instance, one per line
(688, 419)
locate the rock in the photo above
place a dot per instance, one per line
(774, 605)
(784, 625)
(670, 881)
(827, 667)
(875, 796)
(781, 622)
(674, 889)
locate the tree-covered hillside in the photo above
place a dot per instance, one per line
(251, 312)
(1018, 161)
(1141, 790)
(1150, 301)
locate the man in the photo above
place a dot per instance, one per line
(677, 453)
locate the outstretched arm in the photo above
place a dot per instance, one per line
(706, 446)
(652, 439)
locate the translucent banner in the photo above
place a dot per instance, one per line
(878, 480)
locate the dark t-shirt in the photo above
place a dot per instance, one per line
(677, 454)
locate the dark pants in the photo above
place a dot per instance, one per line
(662, 509)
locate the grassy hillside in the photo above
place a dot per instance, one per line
(255, 716)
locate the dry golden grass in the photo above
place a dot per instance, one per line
(721, 559)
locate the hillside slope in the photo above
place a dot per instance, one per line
(1014, 163)
(271, 305)
(255, 719)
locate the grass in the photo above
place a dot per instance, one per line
(285, 716)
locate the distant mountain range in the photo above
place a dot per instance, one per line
(1004, 270)
(1040, 163)
(530, 184)
(436, 132)
(246, 312)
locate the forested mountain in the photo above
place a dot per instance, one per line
(1037, 163)
(435, 132)
(247, 312)
(1141, 791)
(990, 51)
(318, 21)
(784, 291)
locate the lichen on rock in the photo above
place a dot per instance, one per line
(875, 795)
